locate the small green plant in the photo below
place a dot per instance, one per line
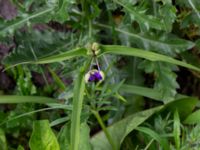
(106, 71)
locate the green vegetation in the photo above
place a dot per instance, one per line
(99, 74)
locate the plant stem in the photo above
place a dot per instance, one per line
(98, 117)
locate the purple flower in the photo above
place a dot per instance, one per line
(94, 76)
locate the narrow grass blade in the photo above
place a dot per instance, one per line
(55, 58)
(143, 91)
(77, 107)
(11, 99)
(33, 112)
(57, 80)
(123, 50)
(63, 56)
(177, 130)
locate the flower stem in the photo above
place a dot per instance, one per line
(98, 117)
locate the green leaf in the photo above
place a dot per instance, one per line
(20, 147)
(57, 80)
(123, 50)
(64, 137)
(184, 106)
(177, 130)
(11, 99)
(9, 27)
(42, 137)
(121, 129)
(3, 143)
(63, 56)
(62, 15)
(145, 21)
(168, 13)
(56, 58)
(143, 91)
(162, 141)
(165, 78)
(85, 137)
(193, 118)
(37, 45)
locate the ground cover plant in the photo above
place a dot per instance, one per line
(99, 74)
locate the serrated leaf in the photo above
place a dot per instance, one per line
(145, 21)
(165, 78)
(62, 15)
(168, 13)
(11, 26)
(37, 45)
(42, 137)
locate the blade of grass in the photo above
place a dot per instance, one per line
(63, 56)
(143, 91)
(177, 130)
(123, 50)
(35, 111)
(57, 80)
(194, 8)
(55, 58)
(76, 108)
(11, 99)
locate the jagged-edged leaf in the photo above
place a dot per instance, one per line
(145, 21)
(11, 26)
(36, 45)
(42, 137)
(168, 13)
(165, 78)
(62, 15)
(121, 129)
